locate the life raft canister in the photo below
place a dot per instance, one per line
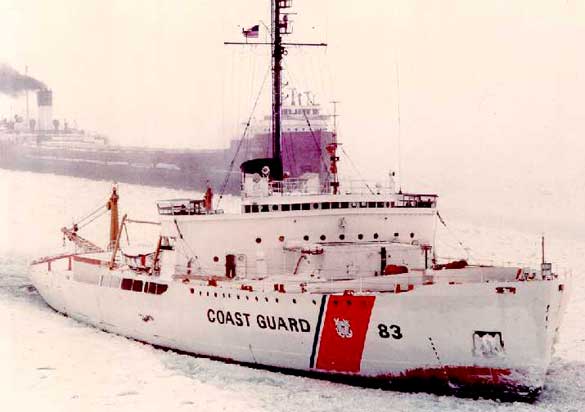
(395, 269)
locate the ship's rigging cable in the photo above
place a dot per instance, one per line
(78, 226)
(357, 170)
(399, 129)
(460, 243)
(90, 214)
(319, 149)
(229, 172)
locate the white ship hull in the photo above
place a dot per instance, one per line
(492, 336)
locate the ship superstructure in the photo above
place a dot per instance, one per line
(318, 277)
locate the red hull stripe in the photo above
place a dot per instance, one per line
(89, 261)
(344, 333)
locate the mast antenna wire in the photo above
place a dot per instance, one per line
(399, 127)
(319, 149)
(357, 170)
(229, 172)
(465, 249)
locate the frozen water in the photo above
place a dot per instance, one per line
(53, 363)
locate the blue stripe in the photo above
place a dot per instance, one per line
(317, 332)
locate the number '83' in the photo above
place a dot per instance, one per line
(389, 331)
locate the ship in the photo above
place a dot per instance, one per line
(47, 145)
(327, 279)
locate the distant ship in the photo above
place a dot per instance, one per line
(48, 146)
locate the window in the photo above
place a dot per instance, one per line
(258, 240)
(315, 205)
(264, 208)
(344, 205)
(341, 237)
(371, 204)
(334, 205)
(126, 284)
(306, 206)
(360, 236)
(375, 236)
(325, 205)
(254, 208)
(306, 237)
(160, 289)
(285, 208)
(152, 288)
(137, 286)
(247, 209)
(296, 206)
(411, 235)
(380, 204)
(323, 237)
(274, 207)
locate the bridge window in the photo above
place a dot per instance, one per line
(137, 286)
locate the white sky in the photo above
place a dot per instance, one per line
(491, 87)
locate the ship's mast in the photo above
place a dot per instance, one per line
(277, 52)
(281, 25)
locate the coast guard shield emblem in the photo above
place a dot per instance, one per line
(343, 328)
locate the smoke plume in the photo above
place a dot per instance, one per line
(13, 83)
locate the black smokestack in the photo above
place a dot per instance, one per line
(14, 83)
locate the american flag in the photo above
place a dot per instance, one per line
(252, 32)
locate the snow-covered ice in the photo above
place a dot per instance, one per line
(53, 363)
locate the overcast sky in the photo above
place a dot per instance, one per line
(484, 86)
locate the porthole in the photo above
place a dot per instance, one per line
(215, 259)
(314, 302)
(375, 236)
(256, 298)
(323, 237)
(396, 234)
(207, 293)
(411, 235)
(315, 205)
(360, 236)
(192, 291)
(306, 237)
(258, 240)
(266, 299)
(200, 293)
(294, 301)
(247, 297)
(281, 238)
(215, 294)
(238, 297)
(274, 207)
(341, 237)
(223, 295)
